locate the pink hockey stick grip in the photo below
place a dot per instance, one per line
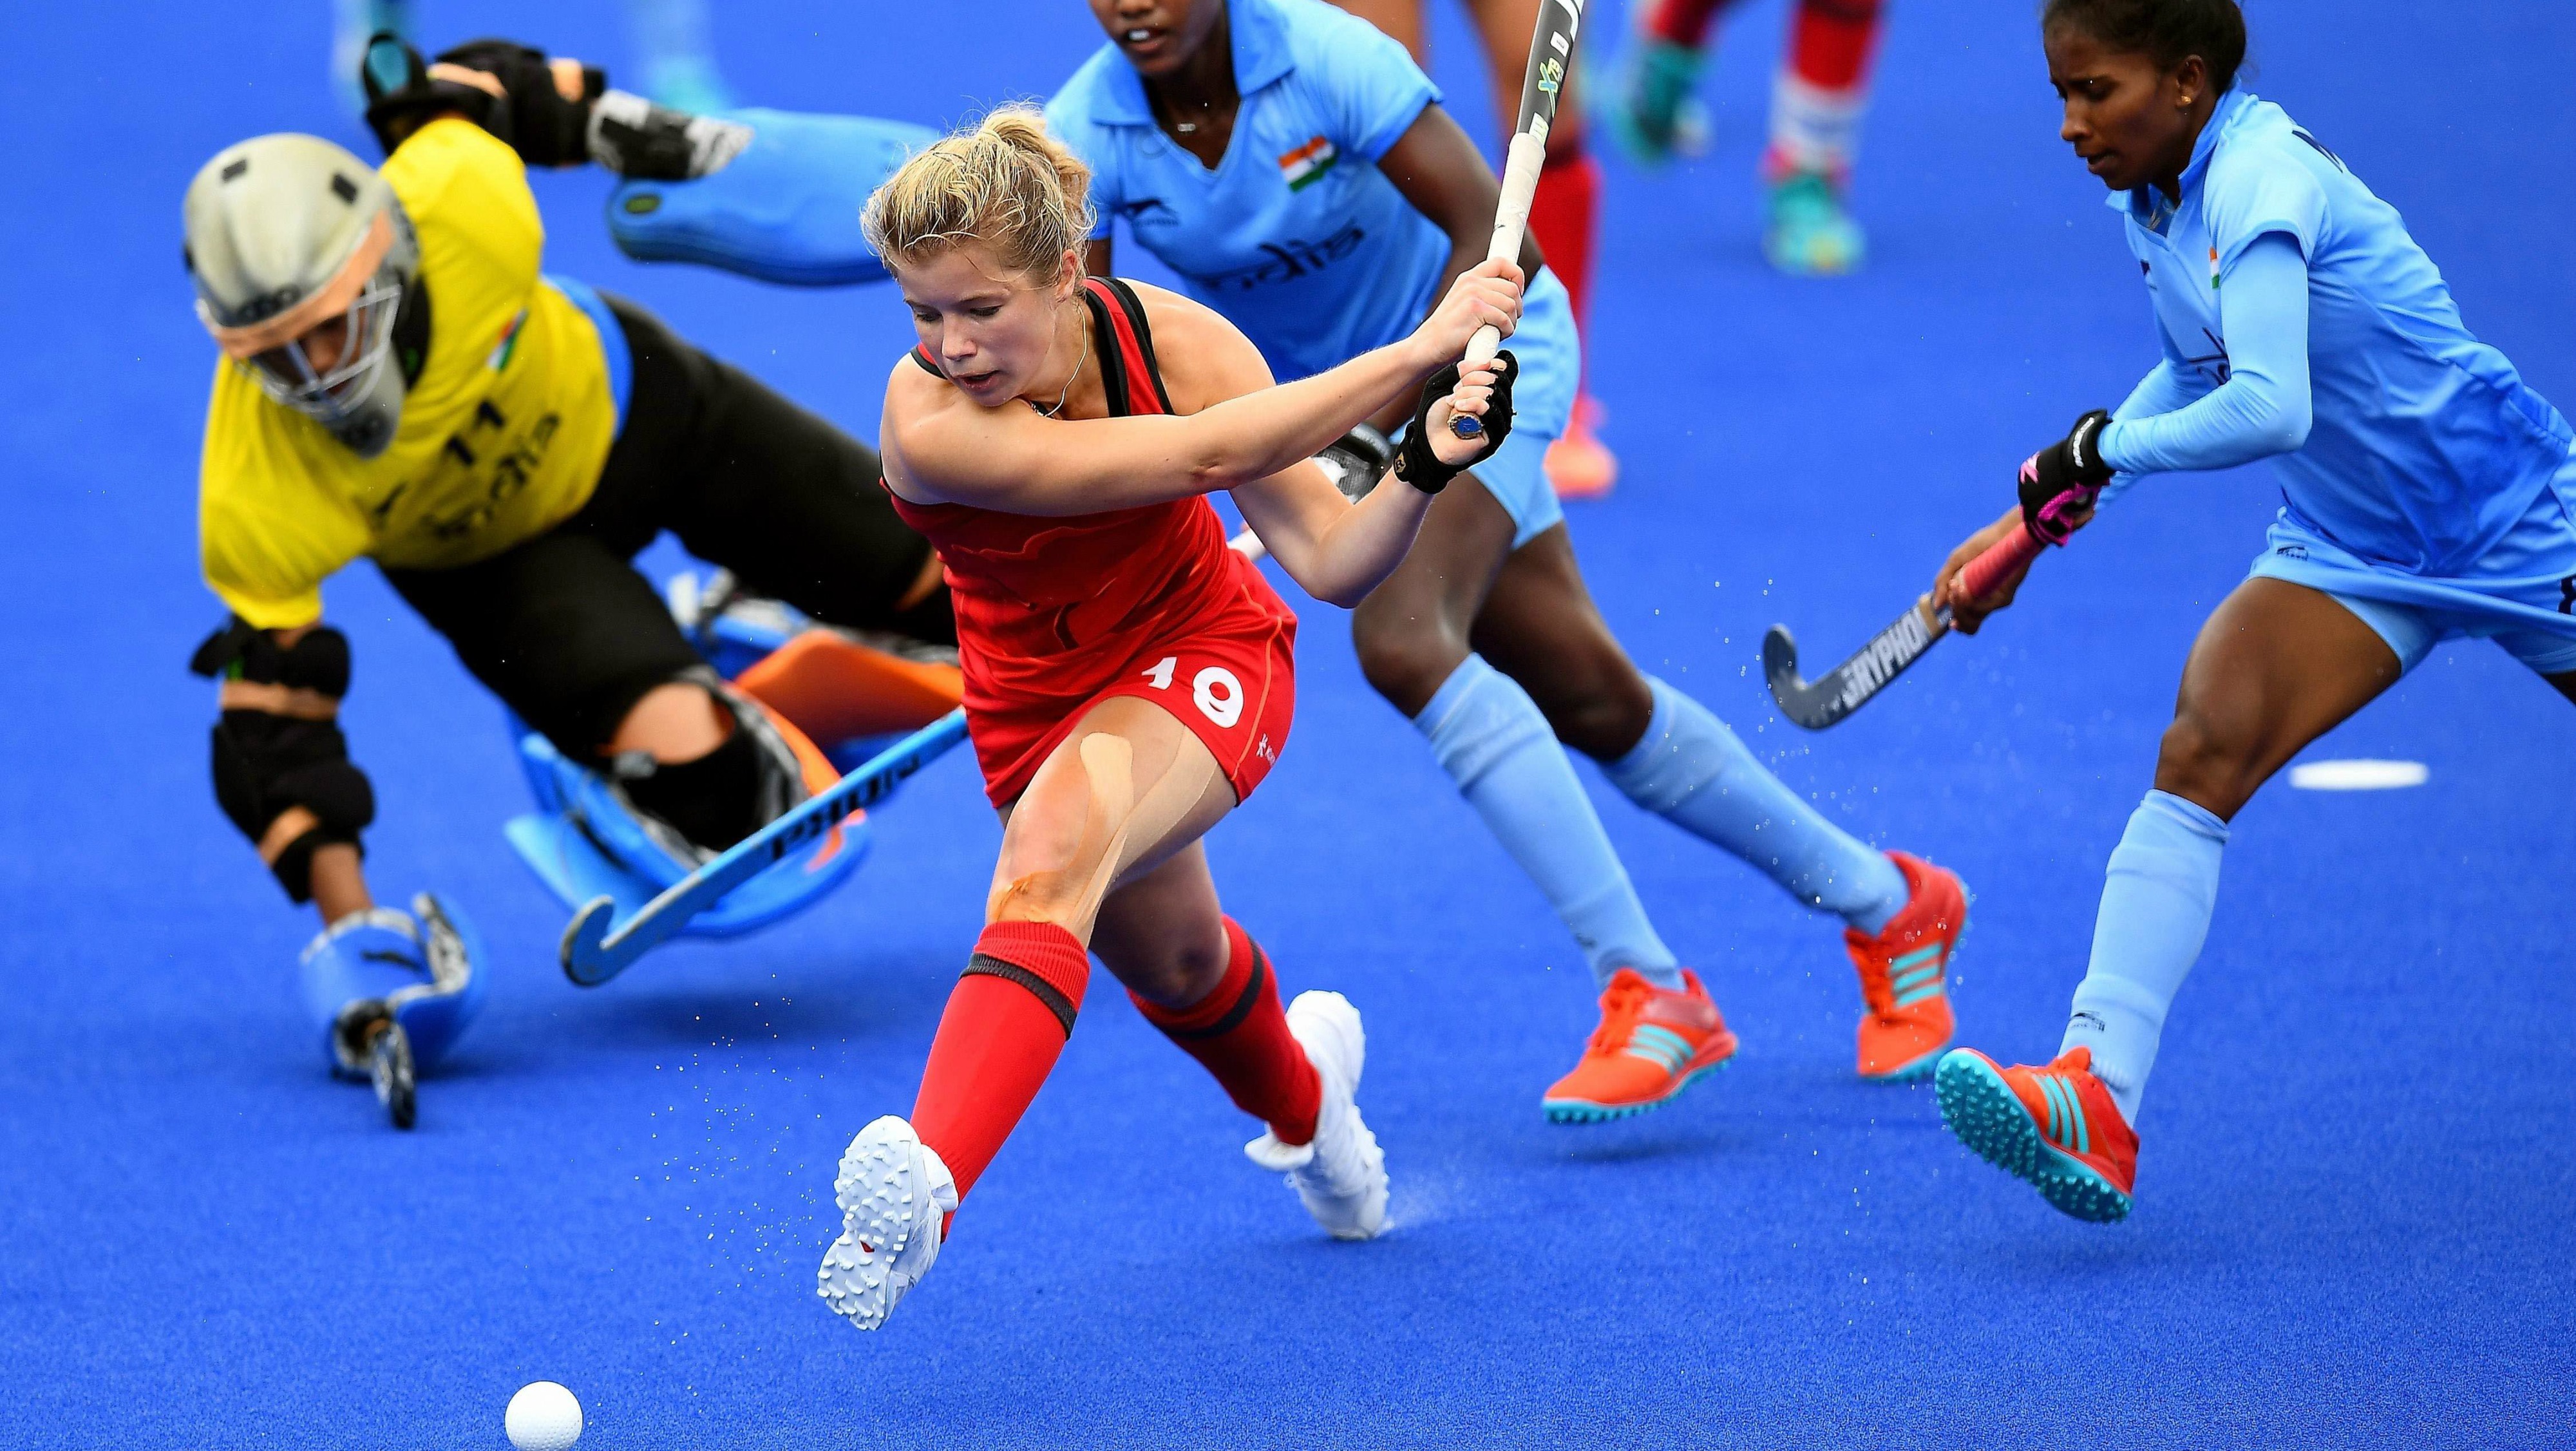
(2001, 558)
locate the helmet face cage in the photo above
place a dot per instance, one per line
(286, 372)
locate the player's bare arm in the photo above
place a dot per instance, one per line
(1335, 549)
(1001, 340)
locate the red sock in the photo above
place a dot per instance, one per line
(1832, 42)
(1561, 217)
(1007, 1019)
(1684, 22)
(1822, 89)
(1240, 1033)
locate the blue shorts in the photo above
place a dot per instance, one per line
(1542, 404)
(2521, 593)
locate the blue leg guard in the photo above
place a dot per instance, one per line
(785, 210)
(420, 971)
(588, 839)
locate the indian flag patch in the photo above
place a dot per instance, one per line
(2213, 269)
(508, 344)
(1300, 168)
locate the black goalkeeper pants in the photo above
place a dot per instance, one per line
(564, 629)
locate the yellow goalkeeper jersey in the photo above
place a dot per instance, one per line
(502, 436)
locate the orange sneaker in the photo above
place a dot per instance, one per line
(1905, 974)
(2054, 1126)
(1579, 465)
(1652, 1043)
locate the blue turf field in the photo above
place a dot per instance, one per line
(2354, 1225)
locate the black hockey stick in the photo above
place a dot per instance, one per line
(1847, 687)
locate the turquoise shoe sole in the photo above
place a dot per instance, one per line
(1581, 1111)
(1982, 1110)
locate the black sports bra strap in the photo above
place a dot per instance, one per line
(1097, 293)
(1104, 346)
(1134, 306)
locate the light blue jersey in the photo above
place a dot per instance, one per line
(2425, 449)
(2423, 484)
(1296, 236)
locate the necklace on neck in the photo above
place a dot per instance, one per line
(1069, 381)
(1185, 127)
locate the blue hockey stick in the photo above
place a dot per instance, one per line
(593, 954)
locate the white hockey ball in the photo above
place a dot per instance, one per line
(543, 1416)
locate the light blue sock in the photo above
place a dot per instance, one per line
(1490, 737)
(2155, 915)
(1691, 770)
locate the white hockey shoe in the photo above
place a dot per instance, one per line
(1341, 1176)
(893, 1191)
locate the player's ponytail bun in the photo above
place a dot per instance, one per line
(1004, 183)
(2165, 31)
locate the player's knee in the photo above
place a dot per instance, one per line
(2208, 759)
(1404, 657)
(1177, 974)
(1065, 835)
(1040, 856)
(674, 720)
(1606, 715)
(705, 763)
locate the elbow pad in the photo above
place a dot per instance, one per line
(277, 746)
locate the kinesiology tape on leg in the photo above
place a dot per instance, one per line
(1492, 740)
(1239, 1033)
(1071, 889)
(1694, 772)
(1006, 1022)
(2156, 902)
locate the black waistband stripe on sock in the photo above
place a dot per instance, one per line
(1242, 1009)
(987, 965)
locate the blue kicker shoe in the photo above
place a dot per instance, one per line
(1650, 107)
(392, 992)
(1811, 233)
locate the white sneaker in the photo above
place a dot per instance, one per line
(1341, 1176)
(893, 1190)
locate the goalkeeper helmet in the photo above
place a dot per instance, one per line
(301, 256)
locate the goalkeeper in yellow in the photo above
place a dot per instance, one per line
(400, 383)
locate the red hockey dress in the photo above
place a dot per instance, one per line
(1055, 615)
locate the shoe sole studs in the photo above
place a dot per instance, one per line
(1983, 1112)
(1980, 1109)
(875, 1190)
(1576, 1111)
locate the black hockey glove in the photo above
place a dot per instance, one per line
(2058, 482)
(546, 127)
(1416, 464)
